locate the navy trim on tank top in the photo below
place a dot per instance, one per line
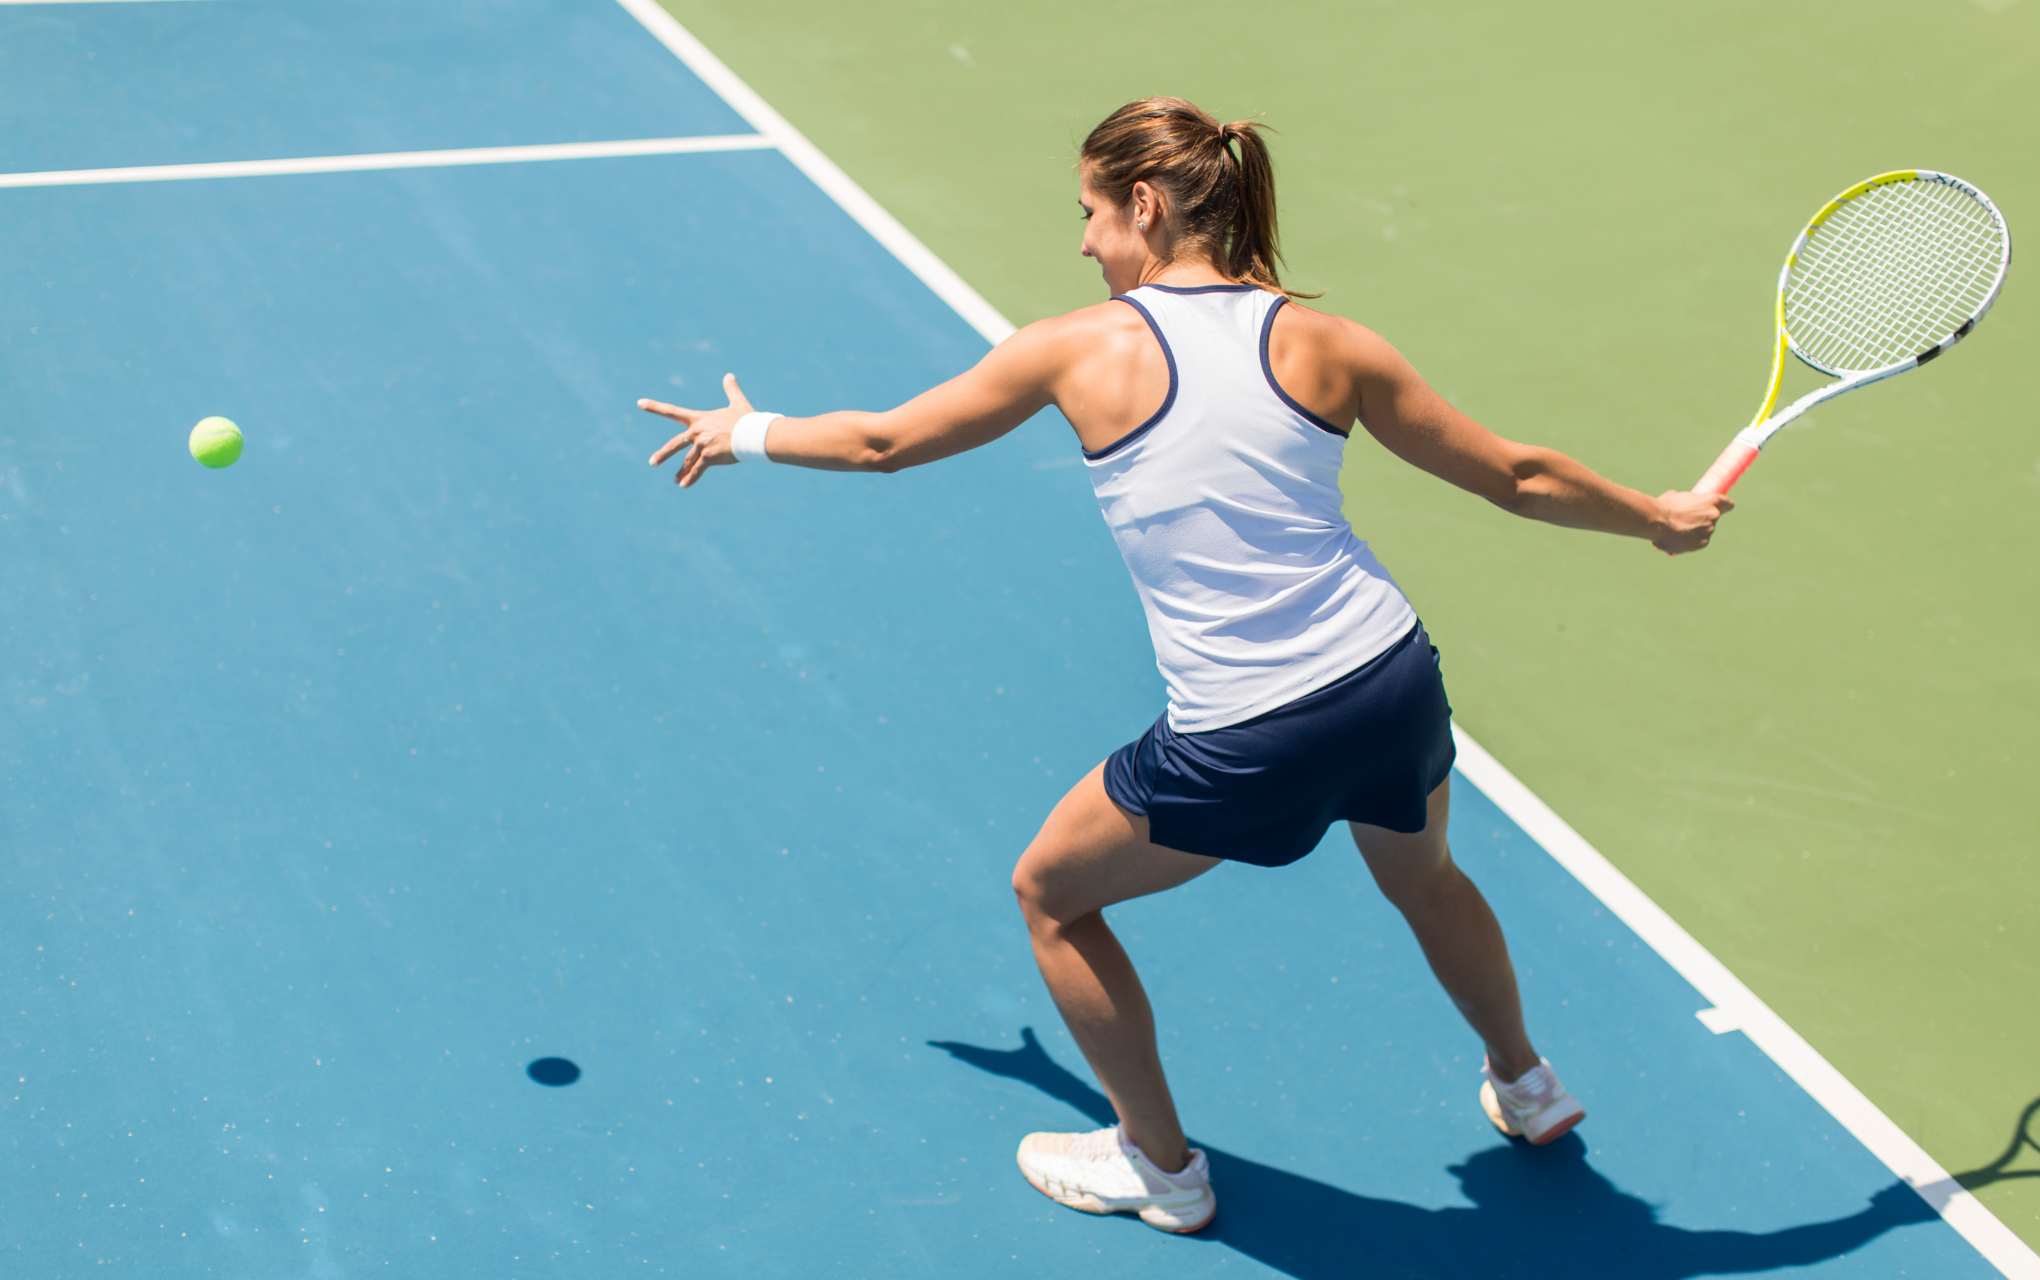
(1168, 401)
(1202, 288)
(1268, 371)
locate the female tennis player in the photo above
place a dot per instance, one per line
(1302, 689)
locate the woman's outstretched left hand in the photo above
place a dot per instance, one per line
(708, 430)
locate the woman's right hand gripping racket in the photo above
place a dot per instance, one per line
(1887, 276)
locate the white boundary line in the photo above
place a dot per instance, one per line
(821, 170)
(1736, 1007)
(387, 160)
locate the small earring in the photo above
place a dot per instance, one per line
(1141, 225)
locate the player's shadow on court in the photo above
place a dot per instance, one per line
(1540, 1212)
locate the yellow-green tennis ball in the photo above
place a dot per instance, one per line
(216, 442)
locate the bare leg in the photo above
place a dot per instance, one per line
(1457, 931)
(1088, 855)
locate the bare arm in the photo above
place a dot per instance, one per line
(1415, 423)
(1015, 380)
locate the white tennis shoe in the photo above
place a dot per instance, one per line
(1534, 1105)
(1101, 1172)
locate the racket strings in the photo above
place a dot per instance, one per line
(1891, 274)
(1886, 282)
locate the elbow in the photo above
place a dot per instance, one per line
(881, 456)
(877, 447)
(1517, 489)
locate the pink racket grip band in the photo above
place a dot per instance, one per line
(1728, 468)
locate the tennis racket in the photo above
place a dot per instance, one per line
(1887, 276)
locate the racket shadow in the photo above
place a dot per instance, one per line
(1540, 1212)
(2024, 1140)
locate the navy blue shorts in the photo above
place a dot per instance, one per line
(1369, 747)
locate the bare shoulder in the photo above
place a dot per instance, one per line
(1328, 364)
(1080, 330)
(1330, 337)
(1109, 372)
(1077, 347)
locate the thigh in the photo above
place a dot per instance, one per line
(1090, 853)
(1403, 862)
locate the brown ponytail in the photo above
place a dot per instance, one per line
(1218, 179)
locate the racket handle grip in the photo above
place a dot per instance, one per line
(1728, 468)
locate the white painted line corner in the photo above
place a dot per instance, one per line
(1719, 1021)
(822, 171)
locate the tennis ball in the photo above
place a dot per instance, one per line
(216, 442)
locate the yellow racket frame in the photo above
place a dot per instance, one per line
(1743, 449)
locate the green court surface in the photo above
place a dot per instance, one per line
(1812, 743)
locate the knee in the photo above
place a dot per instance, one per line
(1036, 898)
(1423, 891)
(1031, 895)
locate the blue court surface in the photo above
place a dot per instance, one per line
(441, 735)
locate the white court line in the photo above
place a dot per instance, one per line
(387, 160)
(1737, 1008)
(1734, 1004)
(822, 171)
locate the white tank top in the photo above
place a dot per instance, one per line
(1226, 506)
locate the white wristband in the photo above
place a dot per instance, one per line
(747, 438)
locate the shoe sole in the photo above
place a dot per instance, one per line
(1557, 1131)
(1091, 1204)
(1490, 1106)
